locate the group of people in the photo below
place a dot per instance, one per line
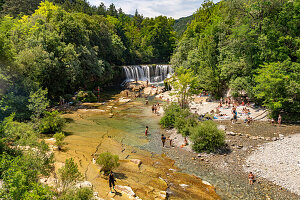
(233, 102)
(163, 140)
(278, 120)
(155, 108)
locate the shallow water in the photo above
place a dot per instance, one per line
(127, 126)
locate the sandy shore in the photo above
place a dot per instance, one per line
(201, 106)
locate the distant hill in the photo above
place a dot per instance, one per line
(181, 24)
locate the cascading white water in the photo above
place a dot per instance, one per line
(152, 73)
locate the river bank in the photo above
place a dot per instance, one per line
(118, 126)
(228, 172)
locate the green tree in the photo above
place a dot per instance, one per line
(108, 161)
(16, 7)
(51, 123)
(185, 84)
(38, 102)
(278, 87)
(69, 174)
(59, 140)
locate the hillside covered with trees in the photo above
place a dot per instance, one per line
(81, 48)
(249, 47)
(51, 50)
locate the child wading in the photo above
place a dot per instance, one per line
(146, 131)
(111, 180)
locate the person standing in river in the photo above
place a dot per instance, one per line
(111, 181)
(163, 139)
(146, 131)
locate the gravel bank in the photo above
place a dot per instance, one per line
(279, 162)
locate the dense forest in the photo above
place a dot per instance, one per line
(250, 47)
(50, 50)
(64, 51)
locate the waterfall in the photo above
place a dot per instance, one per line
(152, 73)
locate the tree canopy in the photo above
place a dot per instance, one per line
(235, 44)
(67, 46)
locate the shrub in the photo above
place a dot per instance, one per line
(108, 161)
(39, 191)
(207, 137)
(171, 111)
(86, 96)
(18, 132)
(77, 194)
(184, 124)
(51, 123)
(59, 137)
(69, 174)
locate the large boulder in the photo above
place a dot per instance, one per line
(125, 190)
(136, 161)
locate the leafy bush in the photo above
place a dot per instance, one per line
(69, 174)
(108, 161)
(20, 175)
(18, 132)
(77, 194)
(12, 103)
(59, 137)
(38, 102)
(181, 119)
(207, 137)
(184, 124)
(171, 111)
(39, 191)
(51, 123)
(86, 96)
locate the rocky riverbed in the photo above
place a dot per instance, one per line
(228, 171)
(279, 162)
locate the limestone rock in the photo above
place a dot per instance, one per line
(206, 183)
(96, 197)
(136, 161)
(84, 184)
(222, 127)
(183, 185)
(163, 194)
(126, 190)
(52, 182)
